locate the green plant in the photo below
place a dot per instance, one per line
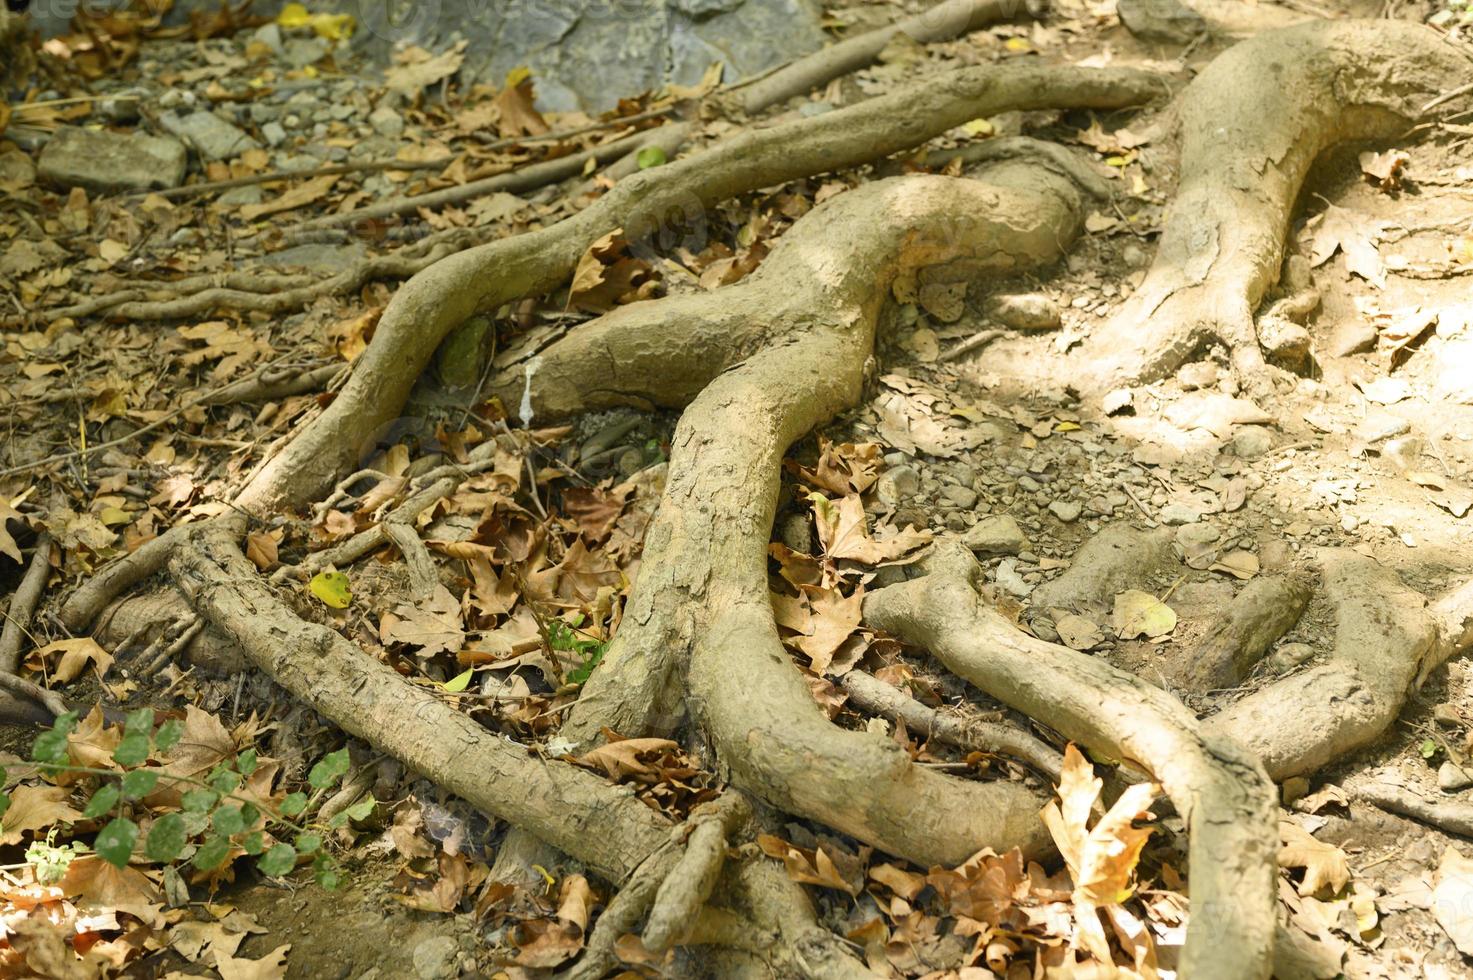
(564, 637)
(214, 821)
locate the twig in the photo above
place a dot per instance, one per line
(23, 605)
(1448, 96)
(562, 134)
(364, 166)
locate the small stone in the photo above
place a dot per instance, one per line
(1025, 311)
(108, 162)
(1452, 777)
(270, 35)
(302, 51)
(1252, 441)
(120, 107)
(386, 122)
(1134, 256)
(963, 497)
(212, 137)
(1178, 514)
(897, 484)
(1067, 511)
(1285, 343)
(1160, 20)
(237, 196)
(435, 958)
(1008, 579)
(1288, 656)
(1198, 374)
(1446, 714)
(274, 133)
(996, 534)
(795, 532)
(1292, 789)
(1352, 337)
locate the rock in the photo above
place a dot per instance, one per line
(212, 137)
(1008, 579)
(1198, 374)
(897, 484)
(1067, 511)
(1447, 715)
(270, 36)
(1134, 256)
(120, 107)
(1174, 515)
(335, 258)
(386, 122)
(1352, 337)
(1292, 789)
(303, 51)
(996, 534)
(274, 133)
(237, 196)
(963, 497)
(1285, 343)
(1452, 777)
(1024, 311)
(435, 958)
(1288, 656)
(1252, 441)
(109, 162)
(1160, 20)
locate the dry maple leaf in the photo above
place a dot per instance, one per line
(843, 530)
(7, 542)
(433, 625)
(35, 808)
(1325, 865)
(606, 276)
(1342, 230)
(514, 105)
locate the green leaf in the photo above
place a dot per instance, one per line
(139, 783)
(458, 683)
(4, 802)
(224, 781)
(294, 804)
(102, 801)
(325, 870)
(50, 747)
(245, 763)
(132, 750)
(308, 843)
(253, 843)
(278, 861)
(362, 809)
(138, 722)
(228, 821)
(168, 735)
(200, 800)
(249, 814)
(115, 842)
(329, 769)
(649, 156)
(212, 853)
(1429, 748)
(338, 820)
(166, 838)
(332, 589)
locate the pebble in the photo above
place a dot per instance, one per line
(1198, 374)
(1178, 514)
(212, 137)
(1353, 337)
(1025, 311)
(436, 958)
(1288, 656)
(273, 133)
(996, 534)
(897, 484)
(385, 121)
(1067, 511)
(1452, 777)
(104, 161)
(963, 497)
(1252, 441)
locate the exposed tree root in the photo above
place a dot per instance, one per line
(1219, 788)
(1448, 815)
(447, 293)
(1386, 642)
(1251, 124)
(23, 604)
(1266, 609)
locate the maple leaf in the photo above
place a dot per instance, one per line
(843, 530)
(7, 543)
(606, 277)
(832, 619)
(808, 867)
(36, 808)
(624, 758)
(433, 625)
(272, 966)
(1325, 865)
(844, 468)
(1341, 230)
(514, 104)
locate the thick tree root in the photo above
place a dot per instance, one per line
(1252, 123)
(447, 293)
(1220, 790)
(1386, 642)
(1266, 609)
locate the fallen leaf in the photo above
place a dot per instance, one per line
(515, 105)
(417, 69)
(299, 196)
(433, 625)
(272, 966)
(1141, 614)
(1342, 230)
(1238, 564)
(332, 589)
(35, 808)
(1325, 865)
(1452, 898)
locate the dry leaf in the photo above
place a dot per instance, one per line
(1325, 865)
(433, 625)
(1141, 614)
(1452, 898)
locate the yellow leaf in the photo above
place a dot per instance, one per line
(1016, 44)
(458, 683)
(331, 588)
(978, 127)
(1142, 614)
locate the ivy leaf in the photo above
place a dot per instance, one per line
(200, 800)
(649, 156)
(132, 750)
(102, 801)
(294, 804)
(168, 735)
(115, 842)
(166, 838)
(224, 781)
(212, 853)
(51, 745)
(228, 821)
(139, 783)
(329, 769)
(278, 861)
(363, 809)
(138, 722)
(308, 843)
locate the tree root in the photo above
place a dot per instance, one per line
(23, 605)
(1252, 123)
(872, 694)
(946, 20)
(1386, 642)
(1220, 790)
(448, 292)
(1266, 609)
(1452, 817)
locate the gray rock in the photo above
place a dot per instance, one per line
(270, 35)
(120, 107)
(1177, 514)
(997, 534)
(273, 133)
(236, 196)
(1198, 374)
(108, 162)
(963, 497)
(1067, 511)
(386, 122)
(1025, 311)
(1160, 20)
(1452, 777)
(435, 958)
(212, 137)
(897, 484)
(1252, 441)
(303, 51)
(1288, 656)
(334, 258)
(1285, 343)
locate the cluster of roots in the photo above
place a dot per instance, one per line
(756, 365)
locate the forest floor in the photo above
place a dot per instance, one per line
(1369, 448)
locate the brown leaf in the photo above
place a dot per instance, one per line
(514, 105)
(843, 530)
(417, 68)
(1325, 865)
(433, 625)
(299, 196)
(7, 543)
(622, 759)
(35, 808)
(272, 966)
(807, 867)
(75, 654)
(606, 277)
(1343, 230)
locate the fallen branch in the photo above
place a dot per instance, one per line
(23, 605)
